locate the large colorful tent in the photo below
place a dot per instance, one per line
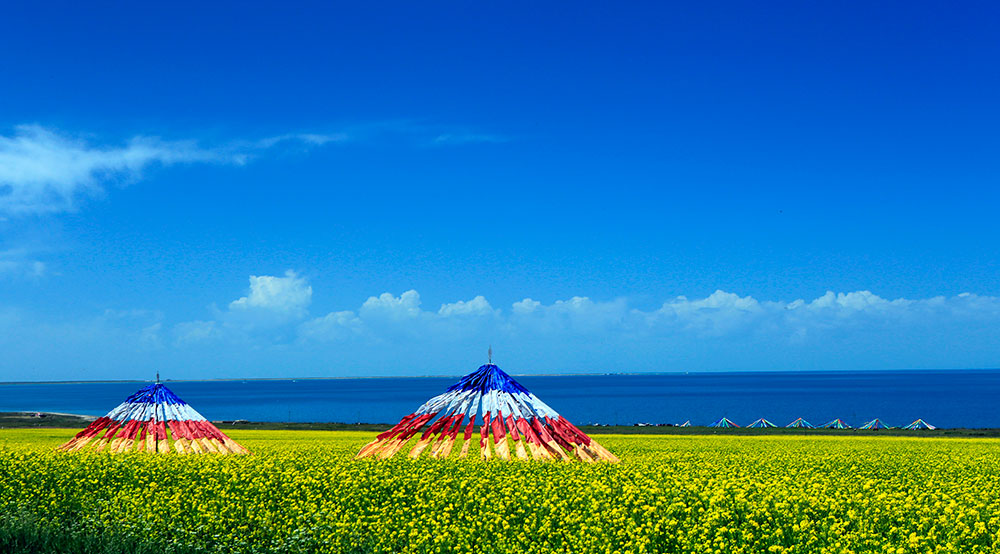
(920, 425)
(148, 421)
(874, 425)
(836, 424)
(761, 424)
(686, 423)
(724, 423)
(509, 412)
(800, 423)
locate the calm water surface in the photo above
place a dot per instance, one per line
(945, 398)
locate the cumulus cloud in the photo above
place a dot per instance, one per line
(287, 296)
(723, 330)
(404, 306)
(476, 306)
(332, 326)
(717, 315)
(46, 171)
(271, 305)
(390, 333)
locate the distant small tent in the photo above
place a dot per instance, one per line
(920, 425)
(800, 423)
(761, 424)
(148, 421)
(874, 425)
(724, 423)
(685, 424)
(836, 424)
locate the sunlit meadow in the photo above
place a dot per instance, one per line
(304, 492)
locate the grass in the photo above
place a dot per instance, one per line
(26, 420)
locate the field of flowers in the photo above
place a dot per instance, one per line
(301, 491)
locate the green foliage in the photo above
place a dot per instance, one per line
(302, 492)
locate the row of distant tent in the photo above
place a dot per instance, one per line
(873, 425)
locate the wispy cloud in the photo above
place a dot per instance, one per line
(445, 139)
(308, 139)
(45, 171)
(20, 263)
(42, 171)
(421, 133)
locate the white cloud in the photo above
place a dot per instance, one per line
(476, 306)
(272, 304)
(404, 306)
(445, 139)
(19, 263)
(332, 326)
(286, 296)
(719, 318)
(45, 171)
(578, 314)
(309, 139)
(392, 333)
(193, 332)
(525, 306)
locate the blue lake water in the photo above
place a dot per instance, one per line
(951, 398)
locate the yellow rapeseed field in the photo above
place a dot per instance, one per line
(303, 492)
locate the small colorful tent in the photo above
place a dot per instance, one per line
(800, 423)
(874, 425)
(920, 425)
(724, 423)
(686, 423)
(761, 424)
(836, 424)
(509, 410)
(148, 421)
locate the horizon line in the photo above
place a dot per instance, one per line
(448, 376)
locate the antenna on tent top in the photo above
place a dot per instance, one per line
(489, 354)
(157, 377)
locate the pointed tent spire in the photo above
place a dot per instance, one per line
(874, 425)
(513, 415)
(724, 423)
(148, 421)
(761, 424)
(836, 424)
(686, 423)
(800, 423)
(920, 424)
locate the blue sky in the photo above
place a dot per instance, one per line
(255, 190)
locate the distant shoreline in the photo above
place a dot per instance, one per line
(74, 422)
(458, 375)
